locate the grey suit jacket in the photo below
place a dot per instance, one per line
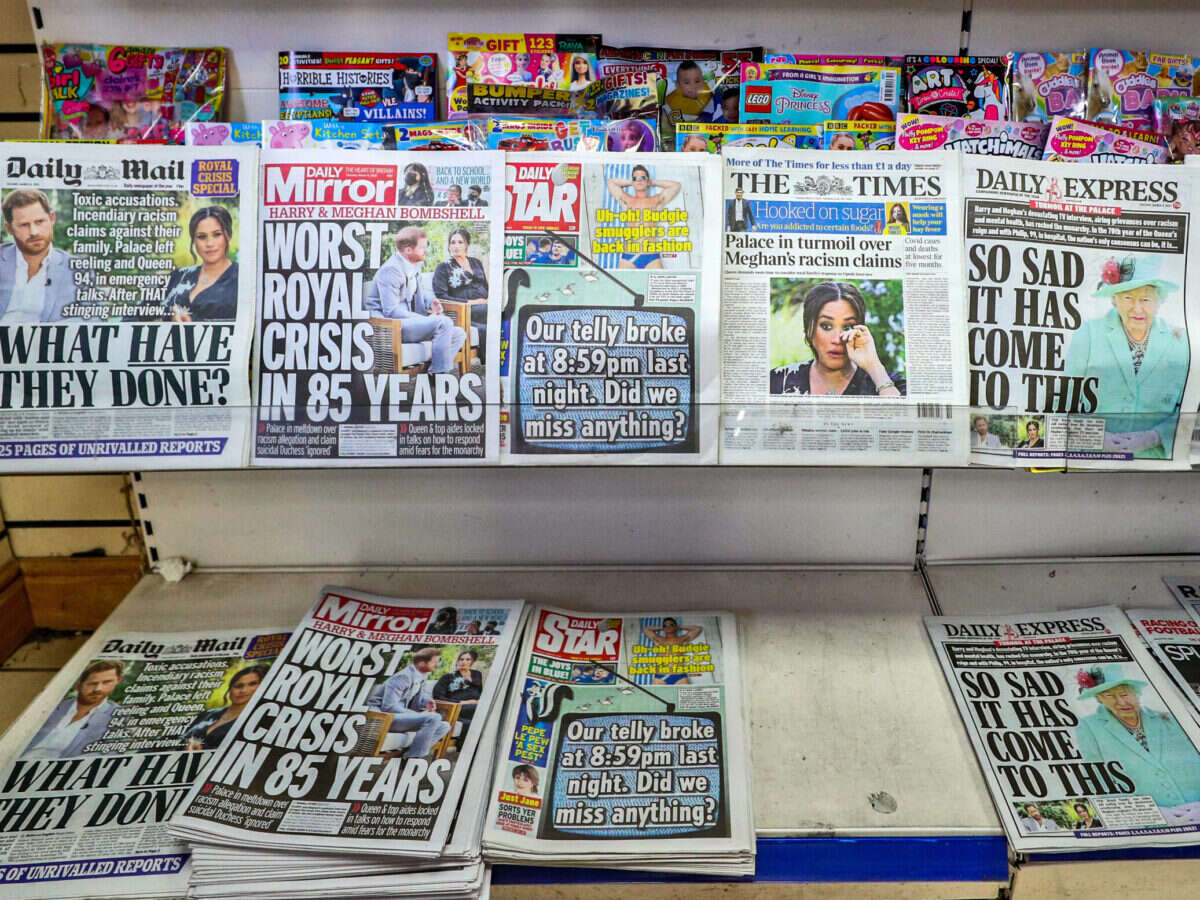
(60, 285)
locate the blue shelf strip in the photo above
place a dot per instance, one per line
(830, 859)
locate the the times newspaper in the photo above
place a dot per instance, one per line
(612, 285)
(1083, 741)
(1173, 639)
(378, 319)
(361, 739)
(625, 738)
(842, 325)
(126, 306)
(1081, 312)
(1186, 592)
(84, 802)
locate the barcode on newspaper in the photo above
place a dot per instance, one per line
(933, 411)
(887, 88)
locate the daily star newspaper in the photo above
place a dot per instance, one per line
(1082, 312)
(126, 306)
(1083, 741)
(84, 799)
(625, 739)
(347, 747)
(842, 328)
(612, 281)
(378, 325)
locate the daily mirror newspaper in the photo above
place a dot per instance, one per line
(126, 306)
(842, 324)
(612, 280)
(625, 737)
(84, 800)
(379, 308)
(1174, 641)
(1083, 742)
(361, 738)
(1081, 312)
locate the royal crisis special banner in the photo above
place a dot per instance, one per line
(609, 340)
(1081, 308)
(379, 309)
(126, 306)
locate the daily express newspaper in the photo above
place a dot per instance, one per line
(612, 280)
(379, 308)
(842, 327)
(624, 735)
(84, 802)
(1083, 742)
(126, 306)
(362, 737)
(1173, 639)
(1081, 313)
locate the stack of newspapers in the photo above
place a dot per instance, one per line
(625, 744)
(359, 767)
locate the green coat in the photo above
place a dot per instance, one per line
(1170, 772)
(1151, 399)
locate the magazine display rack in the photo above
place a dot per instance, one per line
(862, 771)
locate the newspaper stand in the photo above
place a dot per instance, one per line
(862, 771)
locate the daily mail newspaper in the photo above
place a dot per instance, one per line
(842, 324)
(1081, 314)
(361, 739)
(379, 308)
(84, 799)
(126, 306)
(625, 740)
(1174, 641)
(1083, 742)
(609, 340)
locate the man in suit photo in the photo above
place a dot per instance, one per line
(79, 720)
(36, 282)
(738, 216)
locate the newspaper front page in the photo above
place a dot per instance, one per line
(126, 306)
(379, 308)
(349, 746)
(1083, 741)
(1173, 638)
(625, 737)
(1186, 592)
(842, 327)
(1081, 313)
(612, 280)
(85, 802)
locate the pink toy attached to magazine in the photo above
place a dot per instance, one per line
(1072, 140)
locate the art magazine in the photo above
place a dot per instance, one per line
(86, 793)
(379, 308)
(842, 328)
(1083, 741)
(126, 306)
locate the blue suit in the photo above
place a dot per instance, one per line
(397, 292)
(405, 695)
(60, 283)
(1170, 772)
(1149, 400)
(93, 729)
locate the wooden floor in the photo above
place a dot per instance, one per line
(30, 668)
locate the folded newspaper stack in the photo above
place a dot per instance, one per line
(359, 767)
(625, 745)
(87, 783)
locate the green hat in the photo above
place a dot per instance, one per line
(1102, 678)
(1131, 273)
